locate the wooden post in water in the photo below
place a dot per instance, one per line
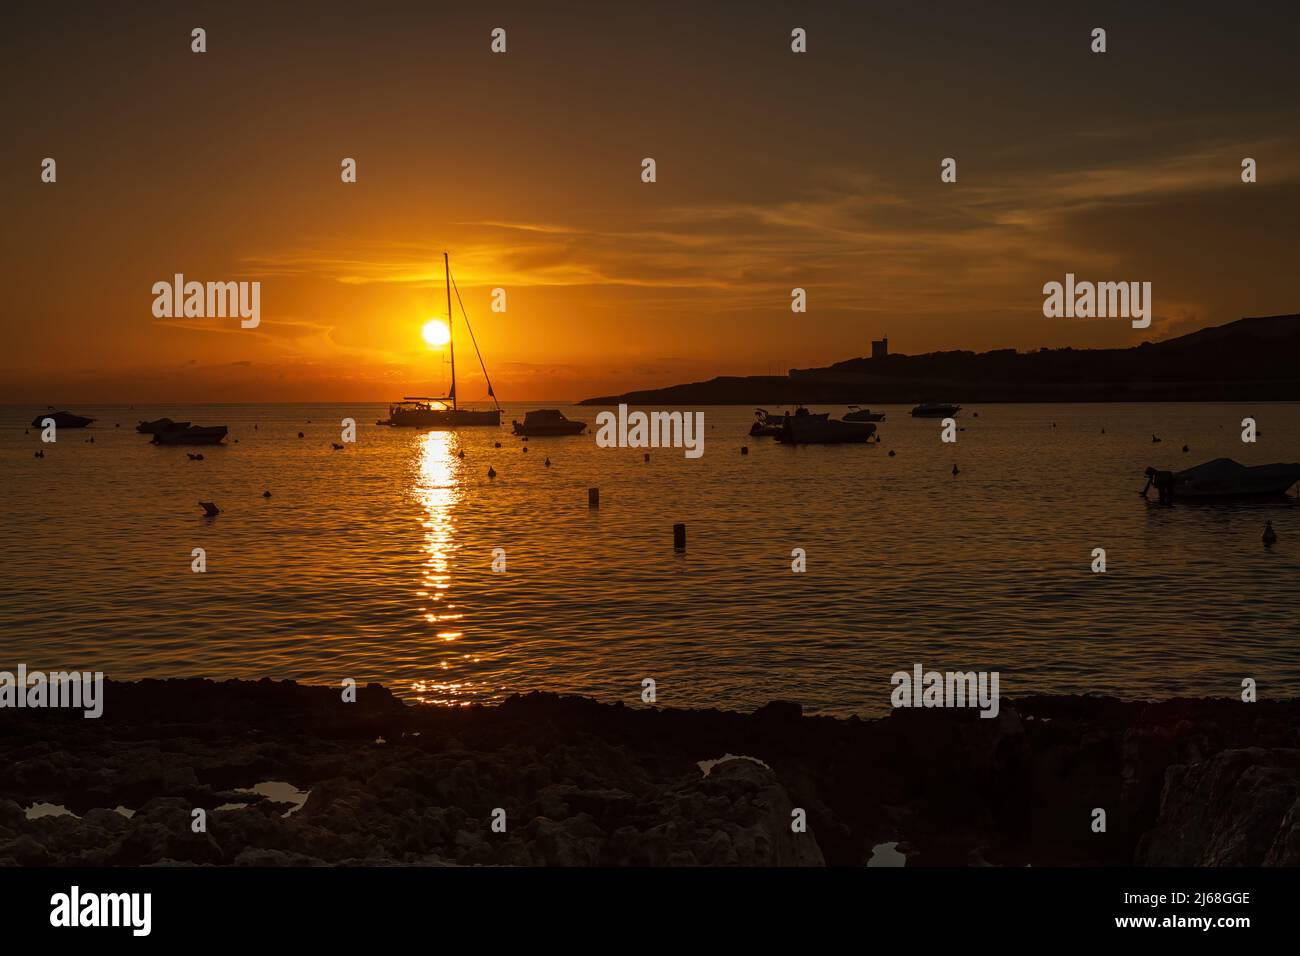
(679, 537)
(593, 497)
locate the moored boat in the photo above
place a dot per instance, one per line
(547, 421)
(417, 411)
(159, 425)
(935, 410)
(62, 420)
(769, 426)
(192, 435)
(1223, 478)
(421, 412)
(857, 414)
(822, 430)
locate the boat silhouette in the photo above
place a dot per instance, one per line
(424, 411)
(768, 425)
(545, 422)
(935, 410)
(857, 414)
(191, 435)
(159, 425)
(62, 419)
(1223, 478)
(823, 430)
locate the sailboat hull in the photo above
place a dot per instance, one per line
(443, 418)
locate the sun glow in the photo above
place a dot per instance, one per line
(436, 333)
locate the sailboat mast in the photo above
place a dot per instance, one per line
(451, 343)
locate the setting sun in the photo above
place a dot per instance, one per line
(436, 333)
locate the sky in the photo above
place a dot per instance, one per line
(775, 170)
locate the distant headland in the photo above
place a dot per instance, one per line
(1253, 359)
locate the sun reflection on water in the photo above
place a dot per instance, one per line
(437, 489)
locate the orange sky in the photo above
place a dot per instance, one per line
(775, 170)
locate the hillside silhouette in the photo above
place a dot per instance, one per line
(1252, 359)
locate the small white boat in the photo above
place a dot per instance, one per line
(1223, 478)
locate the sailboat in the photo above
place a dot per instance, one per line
(422, 411)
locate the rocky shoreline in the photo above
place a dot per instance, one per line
(1183, 782)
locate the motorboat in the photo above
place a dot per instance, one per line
(1223, 478)
(857, 414)
(62, 420)
(935, 410)
(768, 425)
(822, 430)
(547, 421)
(159, 425)
(191, 435)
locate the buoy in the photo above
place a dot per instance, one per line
(547, 463)
(525, 449)
(744, 449)
(593, 497)
(117, 425)
(1270, 536)
(461, 453)
(266, 494)
(40, 454)
(977, 414)
(1154, 439)
(955, 471)
(300, 435)
(679, 537)
(498, 444)
(492, 472)
(647, 456)
(209, 508)
(891, 453)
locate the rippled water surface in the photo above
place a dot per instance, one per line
(375, 562)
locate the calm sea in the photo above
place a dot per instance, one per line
(375, 562)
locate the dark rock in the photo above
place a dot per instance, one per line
(1202, 782)
(1236, 808)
